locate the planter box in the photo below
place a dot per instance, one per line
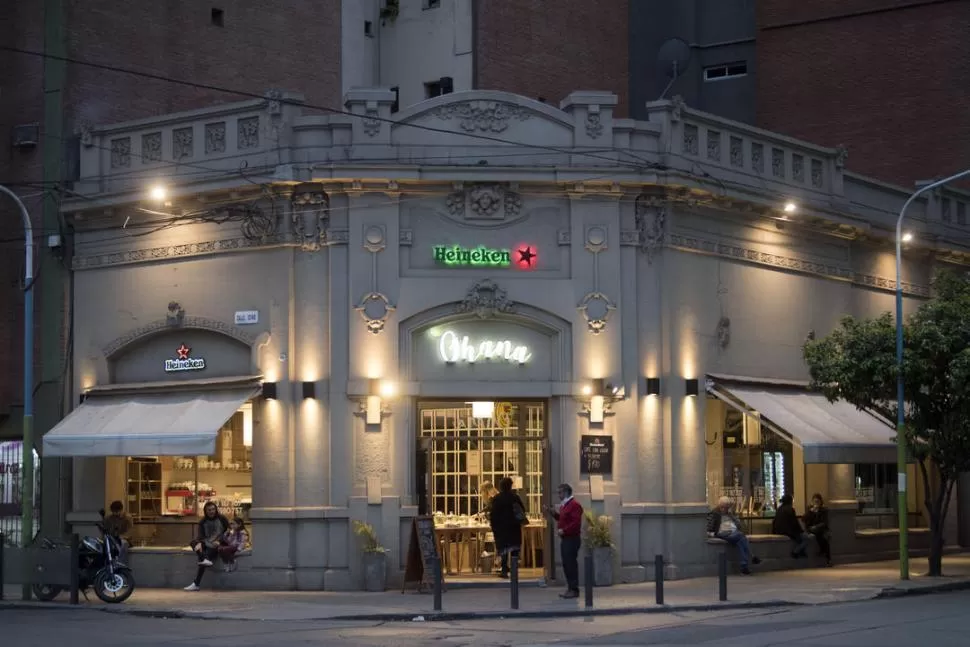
(603, 566)
(375, 572)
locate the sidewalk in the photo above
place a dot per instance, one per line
(816, 586)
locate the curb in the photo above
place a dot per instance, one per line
(895, 592)
(432, 616)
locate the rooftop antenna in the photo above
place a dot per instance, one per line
(672, 61)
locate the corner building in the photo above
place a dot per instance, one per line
(623, 310)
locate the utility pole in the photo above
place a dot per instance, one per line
(901, 501)
(27, 468)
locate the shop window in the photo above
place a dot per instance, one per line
(463, 453)
(876, 492)
(165, 495)
(747, 462)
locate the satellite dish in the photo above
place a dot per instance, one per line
(672, 61)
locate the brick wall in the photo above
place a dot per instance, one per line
(21, 102)
(258, 47)
(890, 83)
(541, 48)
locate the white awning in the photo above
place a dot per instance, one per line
(827, 432)
(175, 423)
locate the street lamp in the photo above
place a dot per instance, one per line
(27, 472)
(900, 400)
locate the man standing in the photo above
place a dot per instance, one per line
(118, 525)
(569, 521)
(722, 523)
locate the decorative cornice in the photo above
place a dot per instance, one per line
(758, 257)
(187, 250)
(193, 323)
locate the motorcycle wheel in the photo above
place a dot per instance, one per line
(46, 592)
(114, 588)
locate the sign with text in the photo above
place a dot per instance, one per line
(183, 361)
(596, 455)
(247, 317)
(523, 257)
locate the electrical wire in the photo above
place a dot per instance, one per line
(300, 104)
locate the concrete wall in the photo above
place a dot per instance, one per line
(424, 44)
(716, 32)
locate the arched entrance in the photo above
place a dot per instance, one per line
(487, 410)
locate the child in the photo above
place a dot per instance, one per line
(234, 541)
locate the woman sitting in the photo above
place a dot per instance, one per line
(235, 540)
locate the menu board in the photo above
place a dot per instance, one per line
(422, 549)
(596, 455)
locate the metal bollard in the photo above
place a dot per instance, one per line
(588, 563)
(2, 542)
(75, 567)
(436, 583)
(722, 576)
(658, 577)
(515, 580)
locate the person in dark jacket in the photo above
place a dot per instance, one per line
(786, 523)
(506, 517)
(817, 523)
(209, 536)
(723, 524)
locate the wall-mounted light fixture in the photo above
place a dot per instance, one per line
(483, 410)
(652, 386)
(247, 413)
(373, 406)
(692, 386)
(269, 390)
(601, 395)
(309, 390)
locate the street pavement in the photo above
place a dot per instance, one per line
(847, 583)
(938, 620)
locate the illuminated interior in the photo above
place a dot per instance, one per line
(165, 495)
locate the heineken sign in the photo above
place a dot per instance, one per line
(481, 256)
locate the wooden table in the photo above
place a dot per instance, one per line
(460, 536)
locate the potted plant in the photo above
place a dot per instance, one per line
(374, 558)
(598, 538)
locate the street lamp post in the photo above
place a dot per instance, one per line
(27, 471)
(900, 400)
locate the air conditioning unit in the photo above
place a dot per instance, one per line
(26, 135)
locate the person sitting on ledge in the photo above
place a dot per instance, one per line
(786, 523)
(723, 524)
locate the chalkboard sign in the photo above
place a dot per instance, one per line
(596, 455)
(422, 548)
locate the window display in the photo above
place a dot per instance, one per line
(165, 495)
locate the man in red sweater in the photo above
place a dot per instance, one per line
(569, 521)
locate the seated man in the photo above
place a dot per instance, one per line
(786, 523)
(118, 525)
(722, 523)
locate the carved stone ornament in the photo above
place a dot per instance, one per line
(596, 308)
(594, 124)
(482, 116)
(274, 102)
(841, 155)
(678, 104)
(484, 202)
(485, 299)
(374, 309)
(311, 215)
(651, 222)
(371, 122)
(175, 314)
(724, 332)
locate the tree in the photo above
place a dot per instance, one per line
(857, 363)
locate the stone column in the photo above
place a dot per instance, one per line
(842, 507)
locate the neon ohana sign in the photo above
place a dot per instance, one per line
(454, 348)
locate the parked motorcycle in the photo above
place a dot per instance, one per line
(99, 568)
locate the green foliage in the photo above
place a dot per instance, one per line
(598, 532)
(368, 537)
(857, 363)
